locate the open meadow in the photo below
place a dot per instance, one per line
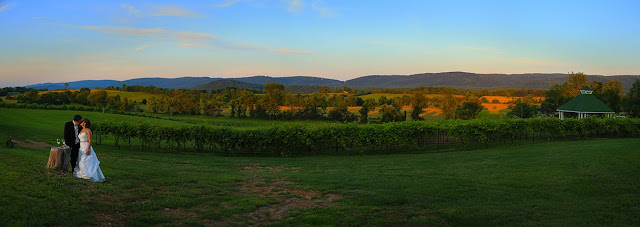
(131, 95)
(576, 182)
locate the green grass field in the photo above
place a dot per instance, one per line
(377, 96)
(587, 182)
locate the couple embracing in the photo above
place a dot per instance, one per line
(84, 162)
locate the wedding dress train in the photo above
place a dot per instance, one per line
(88, 165)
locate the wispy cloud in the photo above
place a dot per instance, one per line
(226, 4)
(133, 10)
(192, 45)
(142, 47)
(6, 7)
(172, 11)
(295, 6)
(184, 39)
(192, 37)
(289, 51)
(160, 11)
(324, 11)
(121, 30)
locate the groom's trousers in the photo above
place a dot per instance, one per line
(74, 156)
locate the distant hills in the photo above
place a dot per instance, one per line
(477, 81)
(462, 80)
(225, 83)
(172, 83)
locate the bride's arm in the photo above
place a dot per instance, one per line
(89, 134)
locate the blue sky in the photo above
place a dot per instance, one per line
(59, 41)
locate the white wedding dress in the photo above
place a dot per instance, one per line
(88, 165)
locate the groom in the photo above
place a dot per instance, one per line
(71, 130)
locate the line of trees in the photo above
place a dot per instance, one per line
(83, 96)
(609, 92)
(269, 103)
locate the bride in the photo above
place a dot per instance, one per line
(88, 164)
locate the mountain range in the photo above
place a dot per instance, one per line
(463, 80)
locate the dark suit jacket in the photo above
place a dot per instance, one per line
(69, 137)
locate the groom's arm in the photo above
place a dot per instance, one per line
(66, 133)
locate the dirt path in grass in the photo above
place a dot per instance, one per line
(31, 144)
(281, 190)
(264, 182)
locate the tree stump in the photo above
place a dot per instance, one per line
(59, 158)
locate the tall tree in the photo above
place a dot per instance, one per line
(572, 87)
(274, 94)
(609, 93)
(391, 113)
(469, 110)
(418, 102)
(522, 110)
(448, 106)
(368, 106)
(632, 101)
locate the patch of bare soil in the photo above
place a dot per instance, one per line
(280, 189)
(135, 159)
(259, 168)
(107, 220)
(181, 214)
(110, 219)
(31, 144)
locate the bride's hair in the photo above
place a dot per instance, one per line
(88, 122)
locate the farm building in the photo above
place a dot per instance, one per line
(585, 105)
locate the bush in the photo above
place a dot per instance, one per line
(359, 138)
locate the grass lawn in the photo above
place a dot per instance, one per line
(587, 182)
(47, 125)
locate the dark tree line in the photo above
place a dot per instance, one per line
(83, 96)
(274, 102)
(609, 93)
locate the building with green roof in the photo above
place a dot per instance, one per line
(585, 105)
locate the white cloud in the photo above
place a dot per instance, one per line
(142, 47)
(6, 7)
(121, 30)
(226, 3)
(324, 11)
(172, 11)
(39, 18)
(289, 51)
(160, 11)
(192, 45)
(192, 37)
(131, 9)
(184, 39)
(295, 6)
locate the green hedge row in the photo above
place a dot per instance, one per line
(360, 137)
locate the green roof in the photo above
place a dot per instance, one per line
(585, 103)
(586, 88)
